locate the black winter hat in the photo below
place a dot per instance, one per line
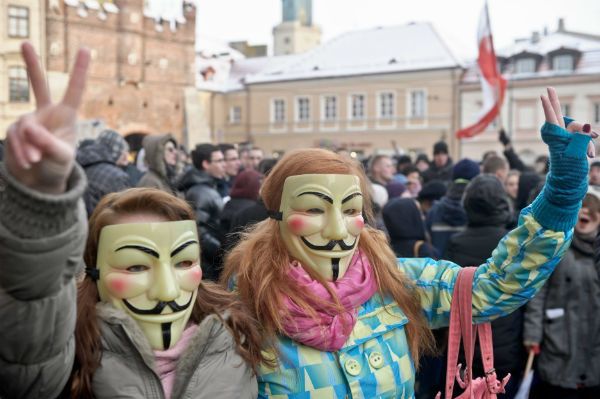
(440, 148)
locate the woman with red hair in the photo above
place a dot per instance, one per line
(340, 314)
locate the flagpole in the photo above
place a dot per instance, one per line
(487, 17)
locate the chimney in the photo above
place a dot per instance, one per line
(561, 24)
(535, 37)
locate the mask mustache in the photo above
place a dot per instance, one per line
(330, 245)
(160, 306)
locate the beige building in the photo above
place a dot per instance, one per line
(566, 60)
(296, 33)
(19, 20)
(365, 91)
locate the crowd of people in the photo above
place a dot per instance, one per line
(248, 220)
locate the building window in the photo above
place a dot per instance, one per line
(278, 111)
(302, 109)
(597, 113)
(357, 102)
(18, 21)
(565, 109)
(235, 115)
(329, 108)
(417, 103)
(18, 85)
(525, 65)
(563, 63)
(387, 105)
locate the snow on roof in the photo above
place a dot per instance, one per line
(415, 46)
(551, 42)
(588, 45)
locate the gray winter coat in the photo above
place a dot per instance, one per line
(563, 319)
(41, 243)
(157, 175)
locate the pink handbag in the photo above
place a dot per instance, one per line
(461, 323)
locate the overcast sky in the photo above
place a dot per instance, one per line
(456, 20)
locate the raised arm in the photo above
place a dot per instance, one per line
(42, 234)
(527, 255)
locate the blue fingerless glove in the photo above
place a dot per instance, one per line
(558, 204)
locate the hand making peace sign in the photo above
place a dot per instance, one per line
(41, 145)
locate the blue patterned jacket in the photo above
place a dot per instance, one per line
(376, 362)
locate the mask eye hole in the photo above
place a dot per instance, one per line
(137, 268)
(351, 212)
(184, 264)
(315, 211)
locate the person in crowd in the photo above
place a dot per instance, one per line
(402, 162)
(232, 168)
(102, 162)
(488, 211)
(265, 166)
(413, 181)
(405, 226)
(514, 161)
(184, 158)
(488, 154)
(441, 166)
(422, 163)
(107, 336)
(135, 175)
(594, 176)
(561, 322)
(160, 155)
(447, 217)
(395, 189)
(381, 169)
(496, 166)
(528, 181)
(511, 185)
(254, 157)
(199, 188)
(541, 165)
(244, 194)
(1, 150)
(429, 194)
(341, 314)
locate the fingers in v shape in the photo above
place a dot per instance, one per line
(36, 75)
(76, 85)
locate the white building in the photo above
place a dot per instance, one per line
(566, 60)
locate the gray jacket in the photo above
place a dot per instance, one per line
(157, 175)
(41, 243)
(563, 319)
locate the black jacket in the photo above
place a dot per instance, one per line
(443, 173)
(103, 174)
(446, 217)
(487, 208)
(200, 192)
(232, 207)
(405, 226)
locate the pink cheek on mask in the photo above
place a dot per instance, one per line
(196, 275)
(118, 286)
(296, 224)
(359, 223)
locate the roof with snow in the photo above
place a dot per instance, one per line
(415, 46)
(541, 45)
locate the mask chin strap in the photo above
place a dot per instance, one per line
(275, 215)
(93, 273)
(335, 268)
(166, 334)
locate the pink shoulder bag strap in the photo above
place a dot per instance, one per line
(461, 325)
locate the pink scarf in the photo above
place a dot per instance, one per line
(166, 361)
(330, 330)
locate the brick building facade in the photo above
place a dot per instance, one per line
(141, 67)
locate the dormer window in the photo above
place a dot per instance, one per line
(563, 63)
(525, 65)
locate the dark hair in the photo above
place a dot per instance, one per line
(265, 166)
(226, 147)
(493, 164)
(203, 152)
(407, 170)
(595, 164)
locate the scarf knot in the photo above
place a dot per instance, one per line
(325, 328)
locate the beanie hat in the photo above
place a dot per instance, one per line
(395, 189)
(113, 142)
(465, 169)
(440, 148)
(246, 185)
(433, 190)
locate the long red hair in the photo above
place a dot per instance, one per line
(211, 299)
(260, 261)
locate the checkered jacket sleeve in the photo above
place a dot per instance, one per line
(517, 269)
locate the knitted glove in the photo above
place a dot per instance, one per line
(558, 204)
(503, 138)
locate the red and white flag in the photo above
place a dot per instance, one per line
(493, 85)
